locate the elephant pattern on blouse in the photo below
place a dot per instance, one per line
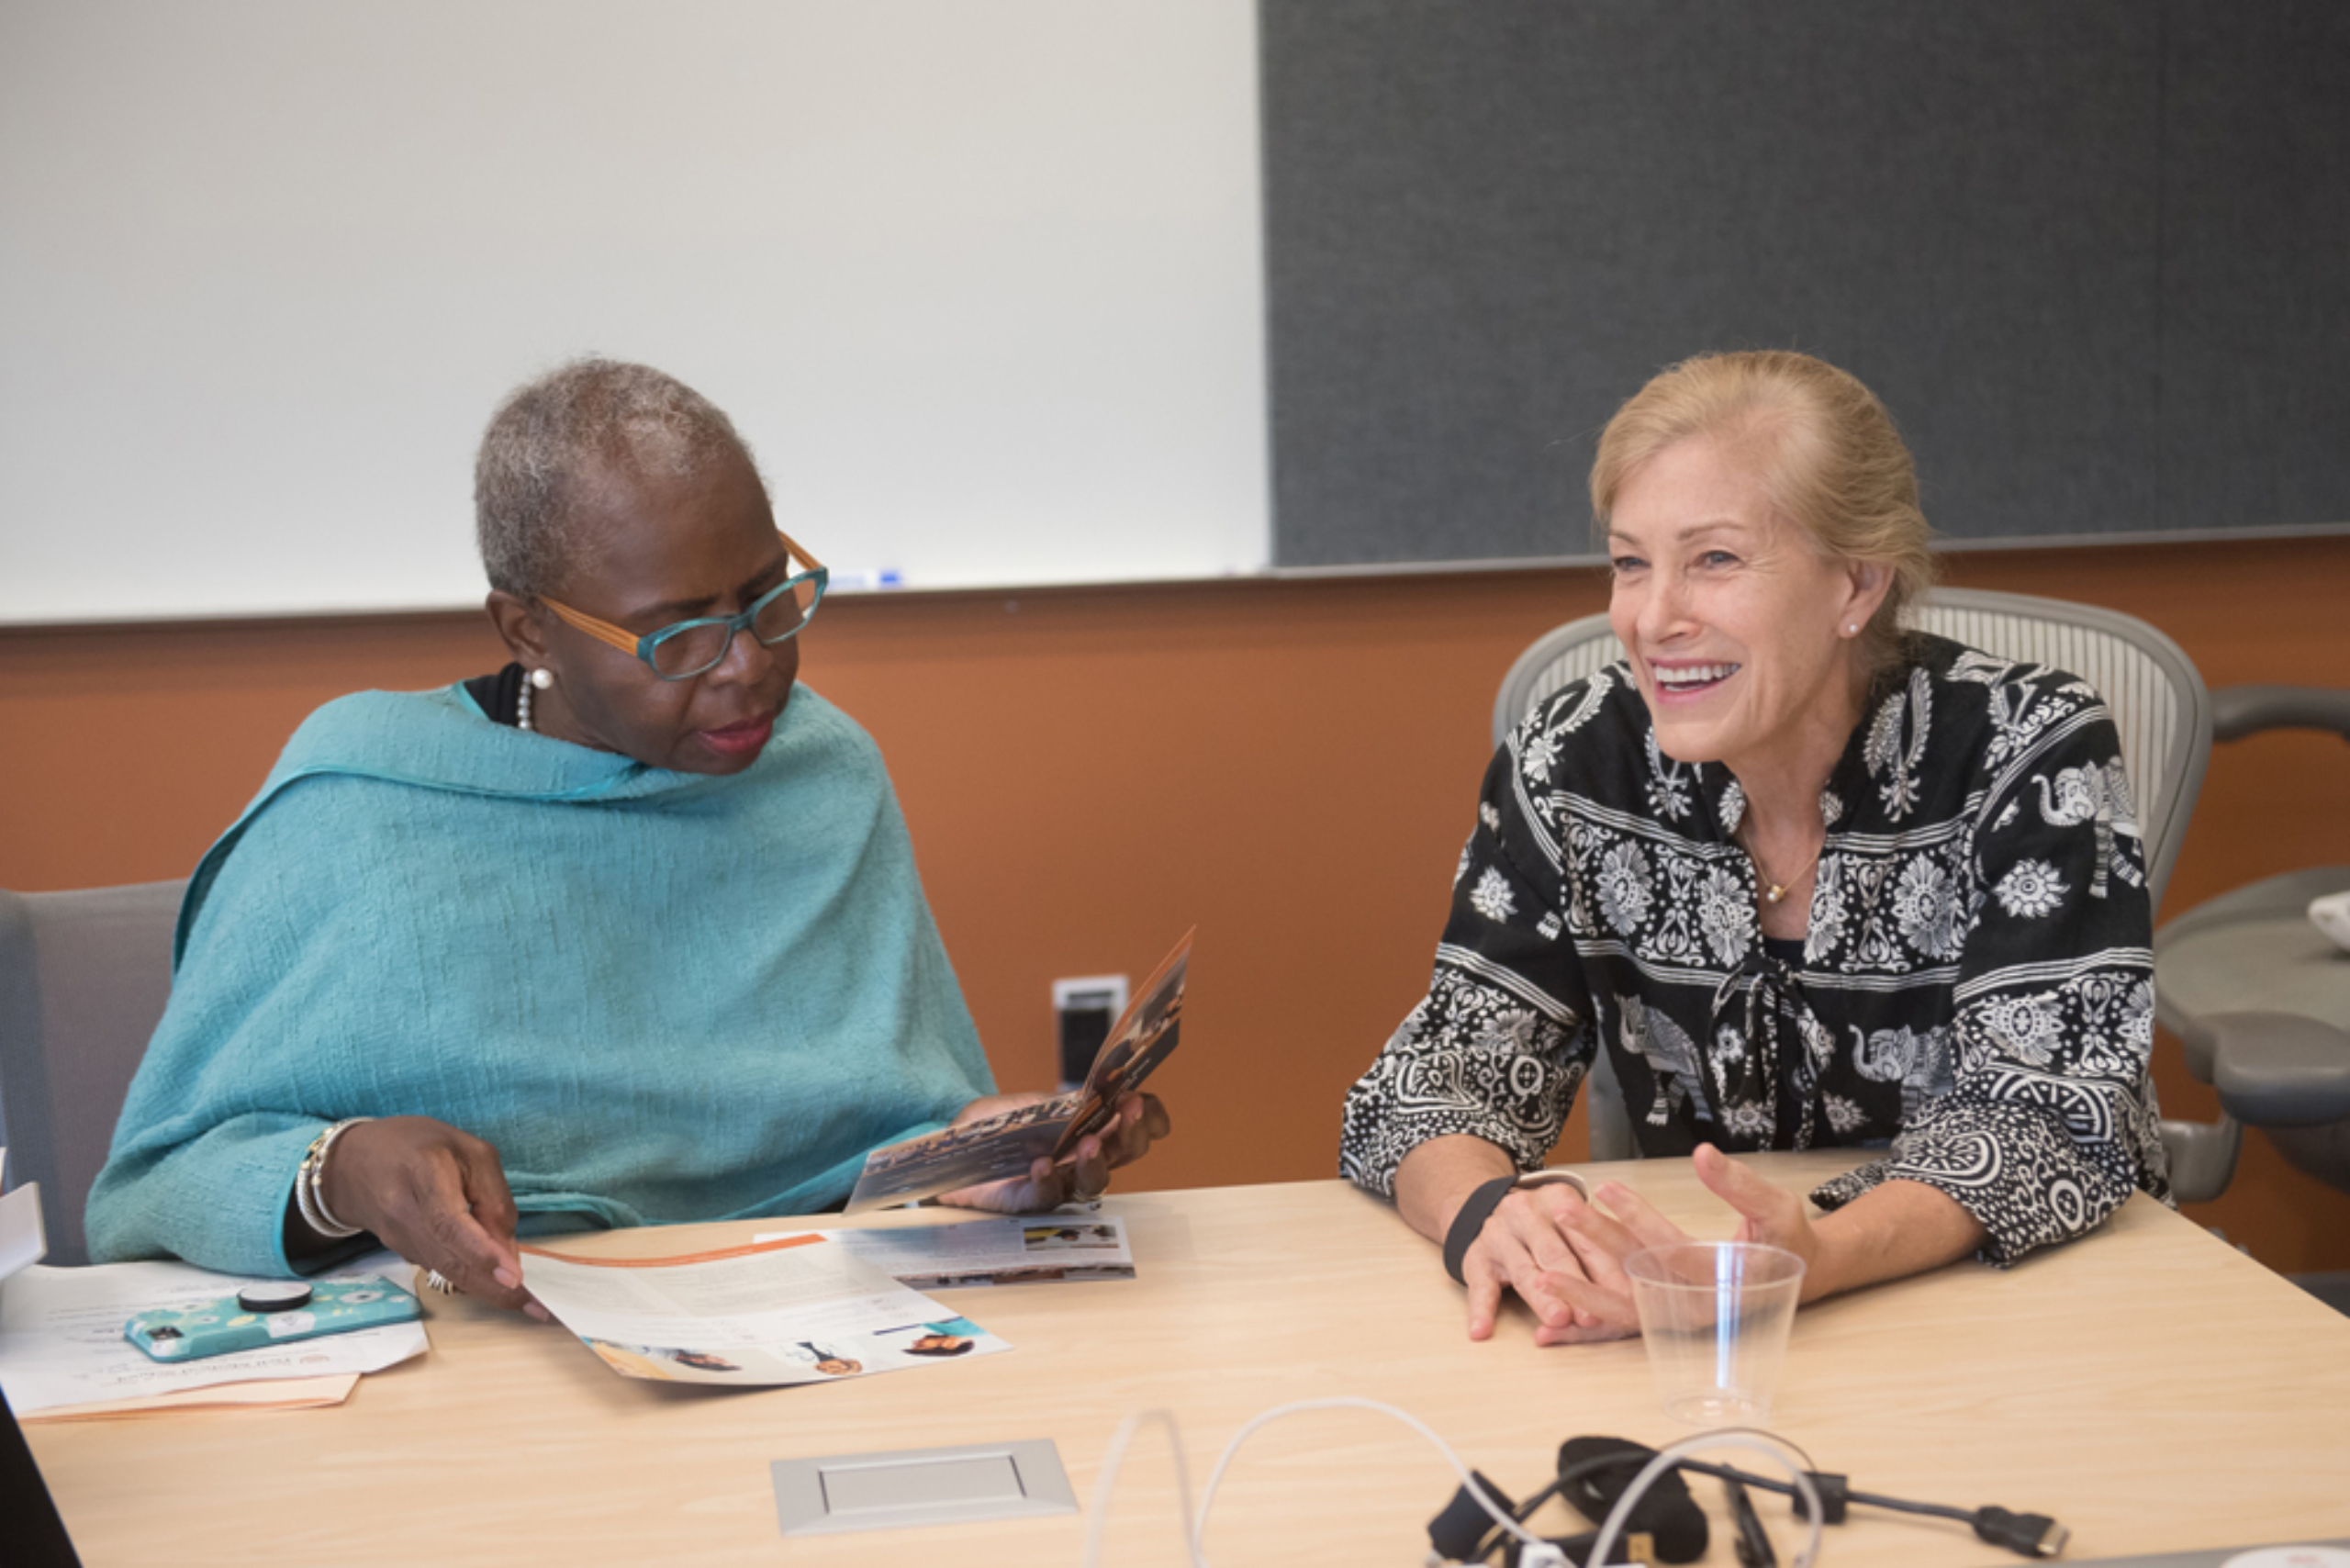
(1919, 1062)
(2098, 794)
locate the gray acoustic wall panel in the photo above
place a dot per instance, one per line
(1487, 224)
(2256, 287)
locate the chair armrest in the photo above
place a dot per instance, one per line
(2281, 1068)
(2240, 711)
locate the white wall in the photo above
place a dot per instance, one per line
(981, 281)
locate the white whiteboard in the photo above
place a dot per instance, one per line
(980, 282)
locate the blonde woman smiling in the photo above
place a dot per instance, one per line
(1808, 878)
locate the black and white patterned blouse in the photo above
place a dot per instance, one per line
(1977, 985)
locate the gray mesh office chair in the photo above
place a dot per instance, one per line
(2159, 705)
(84, 977)
(2259, 999)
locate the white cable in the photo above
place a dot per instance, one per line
(1768, 1447)
(1536, 1546)
(1116, 1455)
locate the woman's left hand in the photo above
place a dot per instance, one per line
(1603, 1239)
(1135, 1120)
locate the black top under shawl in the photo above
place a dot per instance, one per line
(498, 696)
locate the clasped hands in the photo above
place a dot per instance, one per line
(437, 1196)
(1565, 1257)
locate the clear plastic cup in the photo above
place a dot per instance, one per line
(1716, 1317)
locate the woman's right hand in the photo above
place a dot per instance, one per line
(435, 1195)
(1531, 1244)
(1527, 1244)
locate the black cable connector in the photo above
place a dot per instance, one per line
(1835, 1496)
(2029, 1535)
(1752, 1541)
(1458, 1534)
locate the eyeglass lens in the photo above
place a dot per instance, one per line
(701, 647)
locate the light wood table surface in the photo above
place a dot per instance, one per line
(2147, 1385)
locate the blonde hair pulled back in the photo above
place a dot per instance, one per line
(1832, 462)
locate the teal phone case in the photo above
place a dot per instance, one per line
(215, 1327)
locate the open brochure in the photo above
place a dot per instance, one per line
(1007, 1145)
(1031, 1250)
(798, 1309)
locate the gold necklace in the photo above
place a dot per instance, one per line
(1776, 891)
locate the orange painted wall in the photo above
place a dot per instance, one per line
(1289, 765)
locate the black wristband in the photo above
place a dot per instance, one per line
(1470, 1220)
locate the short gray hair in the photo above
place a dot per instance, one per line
(552, 434)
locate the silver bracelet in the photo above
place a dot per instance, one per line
(310, 1183)
(1554, 1177)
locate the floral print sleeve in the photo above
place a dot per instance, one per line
(1497, 1047)
(2047, 1122)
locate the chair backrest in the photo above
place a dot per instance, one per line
(2158, 700)
(84, 977)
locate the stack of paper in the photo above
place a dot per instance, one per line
(63, 1356)
(1056, 1248)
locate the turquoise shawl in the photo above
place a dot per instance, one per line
(660, 996)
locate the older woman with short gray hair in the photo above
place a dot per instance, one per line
(626, 932)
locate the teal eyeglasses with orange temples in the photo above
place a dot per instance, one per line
(687, 649)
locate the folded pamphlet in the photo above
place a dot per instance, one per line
(1005, 1146)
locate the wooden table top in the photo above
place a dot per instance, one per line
(2148, 1385)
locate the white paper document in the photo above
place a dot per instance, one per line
(1031, 1250)
(794, 1310)
(22, 1239)
(60, 1335)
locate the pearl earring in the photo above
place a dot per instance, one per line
(1851, 630)
(539, 679)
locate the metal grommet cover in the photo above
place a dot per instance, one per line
(277, 1296)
